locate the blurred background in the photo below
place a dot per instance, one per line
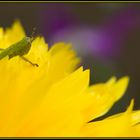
(105, 35)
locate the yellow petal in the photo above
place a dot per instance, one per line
(115, 126)
(120, 87)
(59, 103)
(104, 96)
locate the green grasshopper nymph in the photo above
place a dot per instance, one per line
(19, 49)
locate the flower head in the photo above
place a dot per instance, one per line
(55, 99)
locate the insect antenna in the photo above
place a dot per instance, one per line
(32, 35)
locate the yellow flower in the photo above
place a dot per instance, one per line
(55, 99)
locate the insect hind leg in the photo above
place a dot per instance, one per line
(25, 59)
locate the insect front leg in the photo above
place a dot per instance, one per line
(25, 59)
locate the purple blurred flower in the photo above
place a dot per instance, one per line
(105, 41)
